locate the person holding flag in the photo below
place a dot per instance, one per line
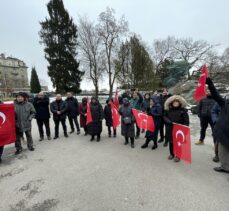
(127, 122)
(83, 115)
(155, 110)
(136, 103)
(175, 112)
(94, 128)
(108, 117)
(221, 129)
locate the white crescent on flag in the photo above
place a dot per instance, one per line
(3, 117)
(145, 117)
(179, 132)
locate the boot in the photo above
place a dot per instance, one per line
(145, 145)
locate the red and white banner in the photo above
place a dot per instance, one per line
(182, 142)
(115, 115)
(200, 91)
(7, 124)
(143, 120)
(116, 101)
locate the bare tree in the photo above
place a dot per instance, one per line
(191, 51)
(225, 59)
(90, 48)
(111, 32)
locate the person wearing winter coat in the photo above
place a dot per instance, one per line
(73, 112)
(221, 129)
(95, 127)
(155, 110)
(136, 103)
(204, 113)
(41, 105)
(164, 96)
(175, 112)
(1, 147)
(146, 102)
(215, 116)
(83, 115)
(127, 122)
(24, 112)
(108, 118)
(59, 109)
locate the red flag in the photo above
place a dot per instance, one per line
(115, 115)
(182, 142)
(143, 120)
(200, 91)
(7, 124)
(89, 116)
(116, 101)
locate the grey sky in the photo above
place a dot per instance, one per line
(152, 19)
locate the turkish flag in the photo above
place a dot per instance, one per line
(89, 116)
(143, 120)
(115, 115)
(182, 142)
(200, 91)
(7, 124)
(116, 101)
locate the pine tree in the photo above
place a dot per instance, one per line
(59, 36)
(35, 86)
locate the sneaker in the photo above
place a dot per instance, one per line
(215, 159)
(170, 157)
(176, 159)
(220, 169)
(199, 143)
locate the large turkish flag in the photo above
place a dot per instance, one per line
(143, 120)
(200, 91)
(115, 115)
(7, 124)
(182, 142)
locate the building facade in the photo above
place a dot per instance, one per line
(13, 76)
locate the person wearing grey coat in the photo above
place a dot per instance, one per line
(24, 113)
(127, 122)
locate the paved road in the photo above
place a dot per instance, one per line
(76, 174)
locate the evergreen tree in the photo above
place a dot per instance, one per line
(35, 86)
(59, 36)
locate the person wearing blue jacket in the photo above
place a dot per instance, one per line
(155, 110)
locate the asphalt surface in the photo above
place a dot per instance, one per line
(76, 174)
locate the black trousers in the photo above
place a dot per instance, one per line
(131, 139)
(1, 151)
(138, 130)
(19, 135)
(162, 134)
(171, 148)
(40, 123)
(57, 123)
(109, 130)
(204, 122)
(73, 120)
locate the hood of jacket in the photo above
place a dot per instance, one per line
(170, 100)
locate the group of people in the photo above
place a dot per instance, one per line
(164, 108)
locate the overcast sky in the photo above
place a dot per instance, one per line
(152, 19)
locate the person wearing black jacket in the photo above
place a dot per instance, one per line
(204, 113)
(41, 105)
(175, 112)
(1, 147)
(73, 112)
(108, 118)
(59, 110)
(221, 129)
